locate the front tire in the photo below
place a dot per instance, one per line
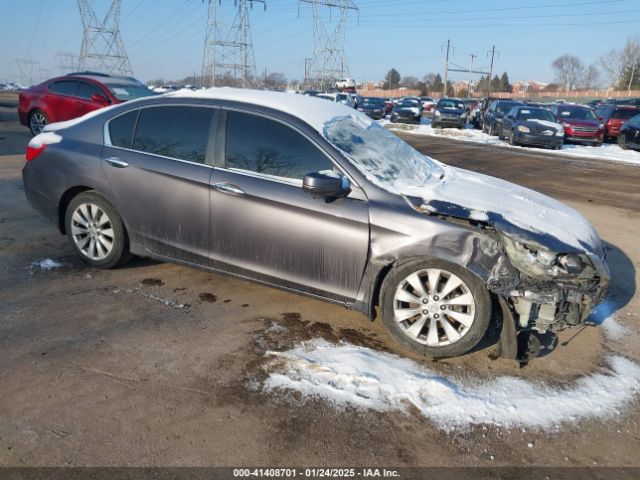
(435, 308)
(96, 231)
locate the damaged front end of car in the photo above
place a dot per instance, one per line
(542, 284)
(556, 290)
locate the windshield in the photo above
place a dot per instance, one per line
(536, 114)
(373, 102)
(504, 107)
(129, 92)
(341, 97)
(576, 114)
(407, 104)
(384, 158)
(450, 104)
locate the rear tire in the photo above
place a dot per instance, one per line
(96, 231)
(446, 323)
(37, 121)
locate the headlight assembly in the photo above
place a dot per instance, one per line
(437, 114)
(523, 129)
(540, 262)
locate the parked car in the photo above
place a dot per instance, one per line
(580, 124)
(629, 136)
(492, 120)
(372, 107)
(346, 84)
(407, 111)
(427, 103)
(624, 101)
(388, 105)
(343, 98)
(449, 112)
(71, 96)
(613, 117)
(478, 118)
(470, 104)
(340, 209)
(534, 126)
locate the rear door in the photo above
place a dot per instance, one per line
(157, 161)
(62, 100)
(265, 226)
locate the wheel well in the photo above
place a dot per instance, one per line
(64, 203)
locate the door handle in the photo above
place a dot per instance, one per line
(228, 188)
(116, 162)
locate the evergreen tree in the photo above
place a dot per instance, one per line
(392, 79)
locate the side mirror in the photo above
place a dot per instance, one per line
(326, 184)
(98, 98)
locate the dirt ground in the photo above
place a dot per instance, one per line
(157, 364)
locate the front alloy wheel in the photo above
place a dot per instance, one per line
(436, 308)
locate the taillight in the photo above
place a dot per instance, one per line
(38, 144)
(33, 152)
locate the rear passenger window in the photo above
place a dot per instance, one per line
(176, 132)
(265, 146)
(121, 129)
(65, 87)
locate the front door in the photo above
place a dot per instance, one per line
(264, 225)
(159, 178)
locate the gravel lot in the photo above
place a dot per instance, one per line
(157, 364)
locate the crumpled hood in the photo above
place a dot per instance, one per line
(511, 209)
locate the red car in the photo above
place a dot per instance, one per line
(614, 116)
(580, 123)
(71, 96)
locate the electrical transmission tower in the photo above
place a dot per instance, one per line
(228, 49)
(102, 48)
(27, 71)
(329, 61)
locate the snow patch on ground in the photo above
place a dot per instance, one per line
(346, 374)
(46, 264)
(609, 152)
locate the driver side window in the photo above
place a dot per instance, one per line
(261, 145)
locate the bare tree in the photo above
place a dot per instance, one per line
(568, 70)
(618, 62)
(591, 77)
(409, 81)
(275, 81)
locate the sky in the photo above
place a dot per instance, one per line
(165, 38)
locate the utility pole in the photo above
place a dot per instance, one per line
(470, 74)
(493, 53)
(446, 69)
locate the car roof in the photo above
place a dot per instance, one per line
(312, 110)
(102, 78)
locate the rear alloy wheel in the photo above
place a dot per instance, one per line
(435, 308)
(622, 141)
(96, 231)
(37, 122)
